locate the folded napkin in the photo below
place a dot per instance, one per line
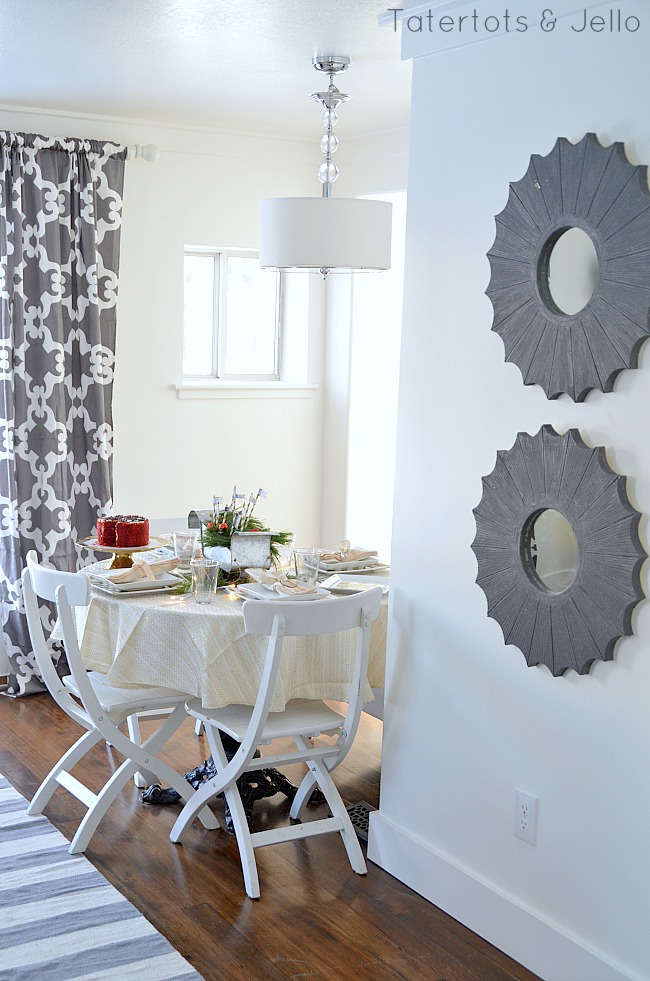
(281, 584)
(345, 553)
(145, 570)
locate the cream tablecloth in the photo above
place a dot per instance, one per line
(204, 650)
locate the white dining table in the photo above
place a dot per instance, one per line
(203, 649)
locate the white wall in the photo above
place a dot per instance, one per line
(362, 362)
(374, 383)
(172, 455)
(466, 720)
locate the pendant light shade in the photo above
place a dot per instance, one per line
(326, 234)
(334, 234)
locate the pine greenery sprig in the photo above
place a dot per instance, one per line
(218, 532)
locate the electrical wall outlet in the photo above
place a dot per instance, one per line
(525, 816)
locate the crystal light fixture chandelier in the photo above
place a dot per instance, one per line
(329, 172)
(326, 234)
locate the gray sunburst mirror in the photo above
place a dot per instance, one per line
(592, 192)
(558, 550)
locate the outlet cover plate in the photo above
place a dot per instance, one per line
(525, 823)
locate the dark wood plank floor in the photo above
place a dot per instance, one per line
(316, 918)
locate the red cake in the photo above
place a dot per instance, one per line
(123, 531)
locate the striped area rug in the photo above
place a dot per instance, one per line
(59, 917)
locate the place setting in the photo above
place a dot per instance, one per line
(351, 561)
(294, 577)
(142, 577)
(356, 569)
(313, 573)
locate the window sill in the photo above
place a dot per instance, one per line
(244, 390)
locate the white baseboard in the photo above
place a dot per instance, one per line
(540, 946)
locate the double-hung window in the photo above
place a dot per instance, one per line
(232, 317)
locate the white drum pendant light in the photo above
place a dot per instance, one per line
(326, 234)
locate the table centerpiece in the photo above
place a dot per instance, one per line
(233, 535)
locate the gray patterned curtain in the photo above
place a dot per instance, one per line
(60, 220)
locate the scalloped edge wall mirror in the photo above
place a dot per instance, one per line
(596, 189)
(572, 624)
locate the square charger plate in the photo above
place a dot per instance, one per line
(255, 590)
(358, 584)
(362, 566)
(105, 581)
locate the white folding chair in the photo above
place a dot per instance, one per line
(97, 707)
(302, 719)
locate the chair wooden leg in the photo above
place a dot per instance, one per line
(65, 764)
(206, 793)
(238, 818)
(244, 843)
(102, 802)
(304, 792)
(162, 771)
(324, 780)
(239, 825)
(201, 796)
(196, 802)
(141, 778)
(107, 795)
(138, 756)
(134, 728)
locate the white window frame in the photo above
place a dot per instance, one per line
(220, 321)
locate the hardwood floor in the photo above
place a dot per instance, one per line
(315, 918)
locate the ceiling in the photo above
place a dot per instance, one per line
(238, 65)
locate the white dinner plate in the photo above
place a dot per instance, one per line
(255, 590)
(126, 594)
(359, 584)
(361, 569)
(164, 580)
(364, 564)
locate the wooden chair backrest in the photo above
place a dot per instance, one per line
(43, 582)
(277, 619)
(307, 618)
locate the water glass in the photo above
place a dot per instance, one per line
(284, 556)
(185, 545)
(306, 562)
(205, 579)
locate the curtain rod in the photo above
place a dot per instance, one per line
(149, 152)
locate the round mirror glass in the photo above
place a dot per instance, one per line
(572, 271)
(550, 550)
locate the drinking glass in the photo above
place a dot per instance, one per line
(205, 579)
(185, 543)
(284, 560)
(307, 561)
